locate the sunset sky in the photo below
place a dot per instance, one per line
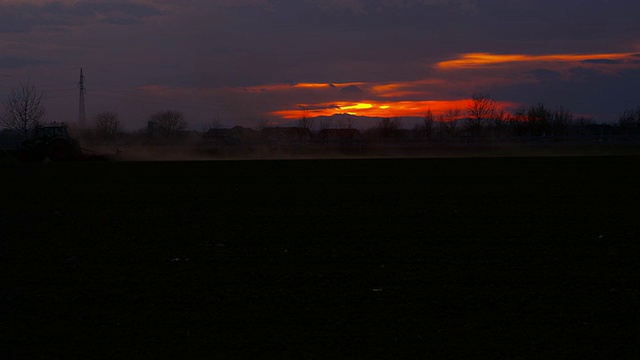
(244, 60)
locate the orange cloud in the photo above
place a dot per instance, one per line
(473, 60)
(401, 89)
(386, 90)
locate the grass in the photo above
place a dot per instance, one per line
(503, 257)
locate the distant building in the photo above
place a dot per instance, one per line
(222, 136)
(286, 135)
(234, 136)
(339, 136)
(600, 131)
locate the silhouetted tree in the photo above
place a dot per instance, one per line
(449, 122)
(428, 124)
(498, 122)
(214, 123)
(262, 123)
(581, 125)
(539, 120)
(108, 125)
(23, 110)
(344, 122)
(327, 123)
(168, 123)
(480, 110)
(388, 128)
(517, 122)
(628, 121)
(305, 121)
(561, 121)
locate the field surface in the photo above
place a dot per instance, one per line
(525, 257)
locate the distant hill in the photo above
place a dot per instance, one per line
(357, 122)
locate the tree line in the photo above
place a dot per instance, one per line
(483, 118)
(23, 110)
(166, 124)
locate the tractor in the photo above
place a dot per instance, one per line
(50, 141)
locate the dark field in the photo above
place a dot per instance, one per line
(420, 258)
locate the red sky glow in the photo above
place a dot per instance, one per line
(381, 109)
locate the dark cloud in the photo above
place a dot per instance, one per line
(13, 25)
(318, 107)
(122, 21)
(351, 89)
(603, 61)
(10, 62)
(545, 74)
(584, 74)
(130, 8)
(24, 17)
(585, 91)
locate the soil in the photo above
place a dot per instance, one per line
(406, 258)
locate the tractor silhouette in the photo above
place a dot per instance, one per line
(50, 141)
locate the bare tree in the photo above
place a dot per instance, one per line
(498, 122)
(581, 124)
(262, 123)
(327, 123)
(306, 122)
(168, 123)
(449, 122)
(348, 124)
(628, 121)
(108, 125)
(23, 110)
(388, 128)
(561, 120)
(428, 123)
(539, 119)
(214, 124)
(480, 110)
(345, 122)
(517, 122)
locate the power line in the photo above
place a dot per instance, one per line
(82, 117)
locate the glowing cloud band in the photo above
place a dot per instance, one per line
(472, 60)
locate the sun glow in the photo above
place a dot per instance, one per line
(446, 79)
(356, 107)
(375, 109)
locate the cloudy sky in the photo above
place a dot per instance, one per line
(240, 61)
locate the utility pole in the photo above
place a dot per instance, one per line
(81, 113)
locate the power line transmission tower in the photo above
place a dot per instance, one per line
(81, 113)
